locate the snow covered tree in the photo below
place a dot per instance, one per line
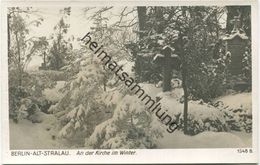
(91, 95)
(82, 107)
(131, 126)
(191, 31)
(60, 51)
(247, 64)
(21, 48)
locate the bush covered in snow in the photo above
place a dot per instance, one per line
(130, 127)
(95, 109)
(225, 114)
(83, 105)
(201, 116)
(238, 113)
(30, 90)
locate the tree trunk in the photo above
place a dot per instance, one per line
(167, 72)
(184, 72)
(159, 17)
(44, 58)
(217, 27)
(19, 60)
(185, 109)
(141, 12)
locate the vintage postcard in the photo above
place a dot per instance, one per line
(129, 82)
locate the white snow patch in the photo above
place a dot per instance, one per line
(150, 89)
(54, 94)
(28, 135)
(127, 66)
(237, 101)
(232, 36)
(158, 56)
(202, 140)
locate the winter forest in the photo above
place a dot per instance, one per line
(194, 62)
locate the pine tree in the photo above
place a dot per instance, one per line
(131, 126)
(82, 107)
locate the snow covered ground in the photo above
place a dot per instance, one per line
(28, 135)
(205, 140)
(208, 139)
(236, 101)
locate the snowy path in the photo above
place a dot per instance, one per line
(205, 140)
(28, 135)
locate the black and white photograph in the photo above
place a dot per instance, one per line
(137, 77)
(129, 77)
